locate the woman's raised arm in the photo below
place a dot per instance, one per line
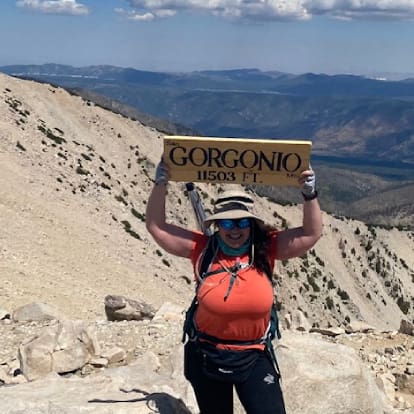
(174, 239)
(297, 241)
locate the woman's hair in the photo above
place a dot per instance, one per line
(260, 240)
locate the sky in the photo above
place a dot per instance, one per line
(365, 37)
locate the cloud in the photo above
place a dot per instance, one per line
(231, 9)
(265, 10)
(145, 16)
(364, 9)
(54, 6)
(141, 17)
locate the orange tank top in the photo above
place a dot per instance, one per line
(245, 314)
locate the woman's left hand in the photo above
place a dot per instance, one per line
(307, 182)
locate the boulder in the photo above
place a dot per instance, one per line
(119, 308)
(358, 326)
(334, 331)
(297, 321)
(136, 388)
(61, 348)
(114, 354)
(406, 328)
(321, 377)
(36, 312)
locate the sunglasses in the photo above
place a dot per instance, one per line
(230, 224)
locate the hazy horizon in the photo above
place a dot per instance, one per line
(371, 38)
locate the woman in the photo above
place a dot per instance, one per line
(228, 347)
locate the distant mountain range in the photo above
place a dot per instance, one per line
(362, 129)
(344, 115)
(235, 80)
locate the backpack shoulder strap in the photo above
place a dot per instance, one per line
(207, 256)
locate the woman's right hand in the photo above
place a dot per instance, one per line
(162, 173)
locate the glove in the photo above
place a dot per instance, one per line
(309, 187)
(162, 174)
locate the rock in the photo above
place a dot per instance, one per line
(320, 377)
(99, 362)
(288, 320)
(36, 312)
(14, 367)
(18, 379)
(169, 312)
(61, 348)
(4, 378)
(299, 322)
(4, 314)
(406, 328)
(329, 331)
(358, 326)
(386, 383)
(118, 308)
(69, 359)
(135, 388)
(405, 383)
(113, 355)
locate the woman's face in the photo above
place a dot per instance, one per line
(234, 232)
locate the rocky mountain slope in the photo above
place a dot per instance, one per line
(74, 179)
(74, 183)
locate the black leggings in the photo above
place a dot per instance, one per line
(259, 394)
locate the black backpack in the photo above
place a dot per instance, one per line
(190, 330)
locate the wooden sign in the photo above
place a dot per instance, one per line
(236, 160)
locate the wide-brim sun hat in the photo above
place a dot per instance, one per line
(233, 205)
